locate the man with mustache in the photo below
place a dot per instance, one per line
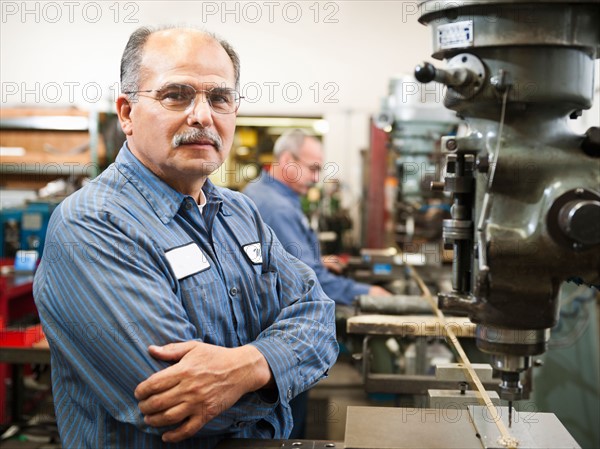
(172, 311)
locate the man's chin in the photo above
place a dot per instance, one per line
(195, 161)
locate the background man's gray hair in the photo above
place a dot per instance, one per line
(131, 61)
(291, 141)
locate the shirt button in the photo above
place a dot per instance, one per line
(188, 205)
(233, 291)
(289, 393)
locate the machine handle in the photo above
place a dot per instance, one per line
(427, 72)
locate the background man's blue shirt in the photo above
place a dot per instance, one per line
(281, 209)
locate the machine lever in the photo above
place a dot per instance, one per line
(427, 72)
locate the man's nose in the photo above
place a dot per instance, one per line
(200, 112)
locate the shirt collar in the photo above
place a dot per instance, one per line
(164, 200)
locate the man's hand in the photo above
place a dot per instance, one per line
(204, 381)
(376, 290)
(333, 264)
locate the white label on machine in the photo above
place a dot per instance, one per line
(456, 35)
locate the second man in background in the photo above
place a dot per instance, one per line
(277, 194)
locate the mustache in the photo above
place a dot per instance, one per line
(196, 136)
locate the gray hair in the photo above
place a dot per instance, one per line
(290, 141)
(131, 61)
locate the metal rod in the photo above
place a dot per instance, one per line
(507, 440)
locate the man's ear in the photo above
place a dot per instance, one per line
(124, 113)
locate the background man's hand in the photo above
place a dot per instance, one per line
(333, 263)
(376, 290)
(204, 381)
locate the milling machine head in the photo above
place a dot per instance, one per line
(526, 188)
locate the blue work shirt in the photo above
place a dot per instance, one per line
(130, 262)
(281, 209)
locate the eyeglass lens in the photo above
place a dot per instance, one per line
(179, 97)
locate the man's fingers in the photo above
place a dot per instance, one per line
(157, 383)
(160, 402)
(173, 352)
(187, 429)
(168, 377)
(167, 417)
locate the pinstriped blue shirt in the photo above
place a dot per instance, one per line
(280, 207)
(130, 262)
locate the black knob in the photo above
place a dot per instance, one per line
(425, 73)
(591, 142)
(580, 221)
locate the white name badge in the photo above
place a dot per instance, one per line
(187, 260)
(254, 253)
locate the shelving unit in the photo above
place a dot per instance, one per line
(40, 145)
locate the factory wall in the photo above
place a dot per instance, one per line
(329, 58)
